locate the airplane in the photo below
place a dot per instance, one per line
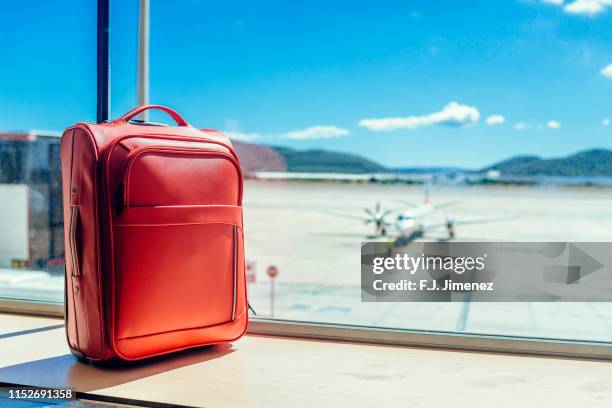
(412, 223)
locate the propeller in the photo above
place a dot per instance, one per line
(450, 223)
(377, 217)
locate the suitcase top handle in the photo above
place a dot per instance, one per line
(130, 114)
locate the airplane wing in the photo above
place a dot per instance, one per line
(365, 219)
(345, 215)
(407, 203)
(345, 235)
(445, 205)
(484, 220)
(467, 222)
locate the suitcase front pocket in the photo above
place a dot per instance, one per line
(175, 268)
(164, 176)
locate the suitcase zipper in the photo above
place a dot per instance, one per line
(119, 204)
(235, 267)
(251, 308)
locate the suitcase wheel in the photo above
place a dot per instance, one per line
(79, 356)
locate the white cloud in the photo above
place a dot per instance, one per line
(453, 114)
(605, 122)
(581, 7)
(233, 131)
(551, 124)
(607, 71)
(241, 136)
(495, 120)
(522, 126)
(316, 132)
(586, 7)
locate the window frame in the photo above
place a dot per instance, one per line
(381, 336)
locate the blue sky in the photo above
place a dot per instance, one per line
(314, 74)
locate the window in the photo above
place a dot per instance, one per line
(401, 121)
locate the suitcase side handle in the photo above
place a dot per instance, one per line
(72, 239)
(139, 109)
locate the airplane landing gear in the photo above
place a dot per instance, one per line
(451, 230)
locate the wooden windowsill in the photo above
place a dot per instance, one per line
(260, 371)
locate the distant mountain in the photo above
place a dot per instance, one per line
(514, 164)
(322, 161)
(589, 163)
(256, 157)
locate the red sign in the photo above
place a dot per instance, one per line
(251, 271)
(272, 271)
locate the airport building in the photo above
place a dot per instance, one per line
(30, 186)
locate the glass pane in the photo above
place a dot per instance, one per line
(48, 78)
(337, 108)
(352, 121)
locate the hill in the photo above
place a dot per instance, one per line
(589, 163)
(256, 157)
(324, 161)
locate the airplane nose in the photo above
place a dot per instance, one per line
(406, 224)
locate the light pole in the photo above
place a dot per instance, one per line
(272, 272)
(143, 57)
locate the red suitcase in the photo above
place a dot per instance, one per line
(154, 238)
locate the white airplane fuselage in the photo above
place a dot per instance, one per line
(410, 221)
